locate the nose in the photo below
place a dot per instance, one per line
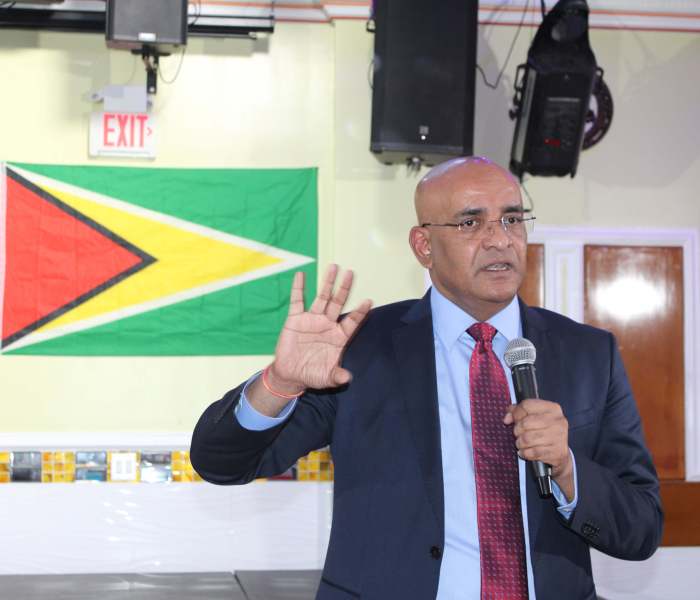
(496, 235)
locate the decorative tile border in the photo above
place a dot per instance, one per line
(131, 466)
(315, 466)
(58, 467)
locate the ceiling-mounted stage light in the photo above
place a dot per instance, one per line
(553, 94)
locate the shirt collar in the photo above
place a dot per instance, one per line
(450, 321)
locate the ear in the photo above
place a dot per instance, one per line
(419, 239)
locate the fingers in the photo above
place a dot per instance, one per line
(540, 430)
(538, 422)
(354, 319)
(531, 407)
(530, 439)
(514, 412)
(331, 304)
(336, 304)
(319, 305)
(296, 297)
(340, 376)
(547, 454)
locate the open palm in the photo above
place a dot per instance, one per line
(311, 343)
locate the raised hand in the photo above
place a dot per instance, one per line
(311, 342)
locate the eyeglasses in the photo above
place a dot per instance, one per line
(476, 227)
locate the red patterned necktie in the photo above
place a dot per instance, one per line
(500, 521)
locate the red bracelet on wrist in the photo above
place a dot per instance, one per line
(266, 383)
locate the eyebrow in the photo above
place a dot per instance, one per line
(472, 212)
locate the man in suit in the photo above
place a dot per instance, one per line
(430, 498)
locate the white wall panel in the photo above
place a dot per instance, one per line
(181, 527)
(112, 528)
(671, 574)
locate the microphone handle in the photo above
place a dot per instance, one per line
(524, 382)
(525, 385)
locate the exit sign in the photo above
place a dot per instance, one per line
(122, 134)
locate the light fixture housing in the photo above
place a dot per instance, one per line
(553, 93)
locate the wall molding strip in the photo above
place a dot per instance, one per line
(112, 440)
(654, 15)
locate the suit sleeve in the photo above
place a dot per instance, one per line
(224, 452)
(619, 508)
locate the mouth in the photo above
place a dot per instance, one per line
(498, 267)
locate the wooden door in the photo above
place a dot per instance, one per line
(637, 293)
(532, 288)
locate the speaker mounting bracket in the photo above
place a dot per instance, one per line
(414, 163)
(151, 58)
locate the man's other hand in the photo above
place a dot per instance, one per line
(542, 433)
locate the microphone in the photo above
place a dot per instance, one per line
(520, 357)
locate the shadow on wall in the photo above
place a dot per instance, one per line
(240, 46)
(18, 39)
(493, 128)
(70, 65)
(653, 137)
(22, 39)
(89, 64)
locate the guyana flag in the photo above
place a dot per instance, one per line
(139, 261)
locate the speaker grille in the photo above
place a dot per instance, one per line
(147, 21)
(424, 75)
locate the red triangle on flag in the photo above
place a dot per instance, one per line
(55, 258)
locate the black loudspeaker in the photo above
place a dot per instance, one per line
(553, 93)
(159, 23)
(424, 77)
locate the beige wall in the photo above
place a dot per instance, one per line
(301, 98)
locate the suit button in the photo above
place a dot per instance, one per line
(589, 530)
(435, 552)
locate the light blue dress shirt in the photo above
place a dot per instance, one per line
(460, 571)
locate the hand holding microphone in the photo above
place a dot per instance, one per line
(540, 428)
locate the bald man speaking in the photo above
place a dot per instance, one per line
(432, 497)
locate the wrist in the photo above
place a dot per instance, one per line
(278, 386)
(565, 469)
(564, 477)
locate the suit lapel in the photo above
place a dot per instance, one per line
(414, 348)
(535, 329)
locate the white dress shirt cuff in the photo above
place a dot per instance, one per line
(251, 419)
(565, 507)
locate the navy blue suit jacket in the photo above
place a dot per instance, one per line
(383, 430)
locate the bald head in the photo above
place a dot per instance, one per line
(466, 178)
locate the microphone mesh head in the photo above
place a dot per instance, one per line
(520, 352)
